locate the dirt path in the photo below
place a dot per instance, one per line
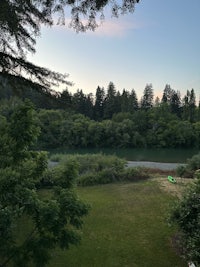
(175, 189)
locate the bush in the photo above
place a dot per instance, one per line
(56, 157)
(65, 175)
(186, 215)
(102, 177)
(194, 163)
(96, 169)
(135, 174)
(188, 171)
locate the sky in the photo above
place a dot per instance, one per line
(159, 44)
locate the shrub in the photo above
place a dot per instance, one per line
(56, 157)
(96, 169)
(186, 215)
(65, 175)
(188, 171)
(107, 175)
(135, 174)
(194, 162)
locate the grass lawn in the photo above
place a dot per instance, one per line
(126, 227)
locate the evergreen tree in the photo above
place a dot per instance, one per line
(124, 101)
(89, 110)
(99, 103)
(185, 109)
(167, 94)
(192, 106)
(110, 106)
(147, 99)
(65, 99)
(157, 102)
(78, 101)
(175, 103)
(133, 101)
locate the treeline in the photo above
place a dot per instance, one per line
(153, 128)
(105, 103)
(113, 119)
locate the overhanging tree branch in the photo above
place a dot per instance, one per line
(20, 24)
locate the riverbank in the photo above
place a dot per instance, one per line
(154, 165)
(146, 164)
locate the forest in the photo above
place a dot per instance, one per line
(112, 119)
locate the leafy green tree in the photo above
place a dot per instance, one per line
(32, 225)
(196, 126)
(50, 123)
(96, 133)
(186, 216)
(79, 136)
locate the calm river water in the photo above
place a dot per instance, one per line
(156, 155)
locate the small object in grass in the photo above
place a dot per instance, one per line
(171, 179)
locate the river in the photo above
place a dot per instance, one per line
(152, 155)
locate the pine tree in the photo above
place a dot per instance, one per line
(167, 93)
(147, 99)
(133, 101)
(192, 106)
(99, 103)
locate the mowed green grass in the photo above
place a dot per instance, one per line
(126, 227)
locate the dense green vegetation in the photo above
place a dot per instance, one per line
(93, 169)
(186, 215)
(113, 120)
(53, 221)
(191, 169)
(155, 127)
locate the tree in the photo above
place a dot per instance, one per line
(99, 103)
(167, 93)
(175, 103)
(20, 24)
(147, 99)
(110, 103)
(133, 101)
(124, 101)
(45, 222)
(185, 111)
(192, 106)
(83, 103)
(66, 99)
(186, 216)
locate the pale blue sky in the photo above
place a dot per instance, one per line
(159, 43)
